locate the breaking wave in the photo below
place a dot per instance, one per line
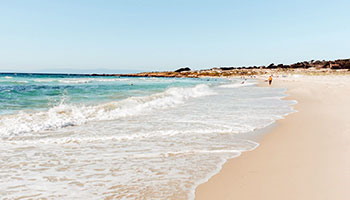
(65, 115)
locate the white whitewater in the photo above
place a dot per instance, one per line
(159, 146)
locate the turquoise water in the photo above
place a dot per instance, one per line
(34, 92)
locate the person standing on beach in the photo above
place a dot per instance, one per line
(270, 80)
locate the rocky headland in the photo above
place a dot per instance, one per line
(341, 66)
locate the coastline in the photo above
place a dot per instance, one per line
(324, 99)
(163, 156)
(304, 157)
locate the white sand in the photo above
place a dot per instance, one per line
(307, 156)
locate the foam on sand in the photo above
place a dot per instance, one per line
(238, 85)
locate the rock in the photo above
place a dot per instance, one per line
(184, 69)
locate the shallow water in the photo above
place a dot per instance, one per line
(157, 140)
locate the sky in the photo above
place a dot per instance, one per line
(149, 35)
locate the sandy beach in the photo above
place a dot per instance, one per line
(306, 156)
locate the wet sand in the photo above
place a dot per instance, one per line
(306, 156)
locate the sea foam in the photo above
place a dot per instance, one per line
(157, 145)
(65, 115)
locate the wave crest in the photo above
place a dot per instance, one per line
(69, 115)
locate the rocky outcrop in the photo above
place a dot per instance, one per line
(341, 66)
(185, 69)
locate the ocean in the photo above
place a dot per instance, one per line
(85, 137)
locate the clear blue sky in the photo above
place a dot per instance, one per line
(166, 34)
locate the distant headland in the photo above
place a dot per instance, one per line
(313, 67)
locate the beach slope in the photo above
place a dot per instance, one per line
(306, 156)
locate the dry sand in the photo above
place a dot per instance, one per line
(306, 156)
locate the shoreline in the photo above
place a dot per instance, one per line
(256, 137)
(300, 167)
